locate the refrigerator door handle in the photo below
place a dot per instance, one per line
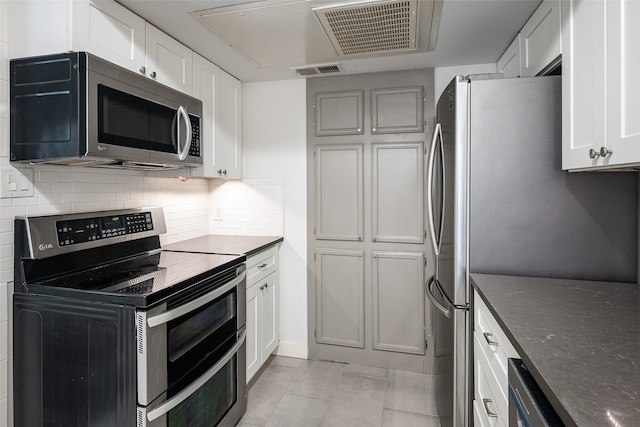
(432, 158)
(450, 303)
(433, 299)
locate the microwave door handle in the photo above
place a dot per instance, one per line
(182, 152)
(191, 388)
(195, 304)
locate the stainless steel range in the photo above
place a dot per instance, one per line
(110, 330)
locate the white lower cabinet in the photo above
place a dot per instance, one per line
(492, 350)
(262, 308)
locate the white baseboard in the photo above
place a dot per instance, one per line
(292, 349)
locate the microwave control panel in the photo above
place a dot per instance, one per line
(76, 231)
(194, 148)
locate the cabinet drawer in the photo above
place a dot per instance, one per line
(261, 265)
(492, 340)
(490, 394)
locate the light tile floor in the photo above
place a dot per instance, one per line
(305, 393)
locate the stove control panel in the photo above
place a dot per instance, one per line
(74, 231)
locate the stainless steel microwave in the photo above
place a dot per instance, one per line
(77, 109)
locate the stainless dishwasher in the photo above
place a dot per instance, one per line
(528, 406)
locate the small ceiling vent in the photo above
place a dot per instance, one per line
(371, 27)
(316, 70)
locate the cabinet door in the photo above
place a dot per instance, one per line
(340, 297)
(205, 74)
(109, 31)
(583, 83)
(397, 110)
(168, 61)
(509, 62)
(623, 85)
(398, 193)
(540, 39)
(254, 299)
(339, 192)
(398, 302)
(339, 113)
(228, 124)
(270, 317)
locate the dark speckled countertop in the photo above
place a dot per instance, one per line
(225, 244)
(579, 339)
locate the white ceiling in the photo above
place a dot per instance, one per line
(471, 32)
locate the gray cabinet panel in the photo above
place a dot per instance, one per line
(339, 113)
(398, 192)
(340, 297)
(398, 301)
(398, 110)
(339, 192)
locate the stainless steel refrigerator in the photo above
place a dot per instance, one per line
(498, 202)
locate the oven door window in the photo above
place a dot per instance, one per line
(193, 339)
(209, 404)
(131, 121)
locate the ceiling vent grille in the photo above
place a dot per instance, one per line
(316, 70)
(371, 27)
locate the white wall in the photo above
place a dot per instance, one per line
(274, 145)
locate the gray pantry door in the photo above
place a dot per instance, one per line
(366, 213)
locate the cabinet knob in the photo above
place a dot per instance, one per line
(603, 152)
(224, 171)
(219, 171)
(262, 287)
(143, 69)
(153, 74)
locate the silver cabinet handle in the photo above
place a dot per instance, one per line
(263, 265)
(143, 69)
(487, 337)
(603, 152)
(222, 171)
(153, 74)
(490, 413)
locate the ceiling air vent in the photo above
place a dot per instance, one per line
(371, 27)
(316, 70)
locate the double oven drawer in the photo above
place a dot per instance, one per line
(191, 350)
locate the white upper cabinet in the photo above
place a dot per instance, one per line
(538, 46)
(622, 84)
(540, 39)
(109, 31)
(509, 62)
(600, 129)
(168, 61)
(103, 28)
(583, 91)
(228, 124)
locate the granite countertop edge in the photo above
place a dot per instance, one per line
(537, 376)
(553, 321)
(225, 244)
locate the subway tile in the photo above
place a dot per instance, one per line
(48, 176)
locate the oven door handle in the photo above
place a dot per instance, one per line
(188, 391)
(195, 304)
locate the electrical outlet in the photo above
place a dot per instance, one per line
(218, 213)
(16, 183)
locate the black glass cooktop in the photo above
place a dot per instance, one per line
(143, 281)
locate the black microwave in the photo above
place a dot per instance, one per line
(77, 109)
